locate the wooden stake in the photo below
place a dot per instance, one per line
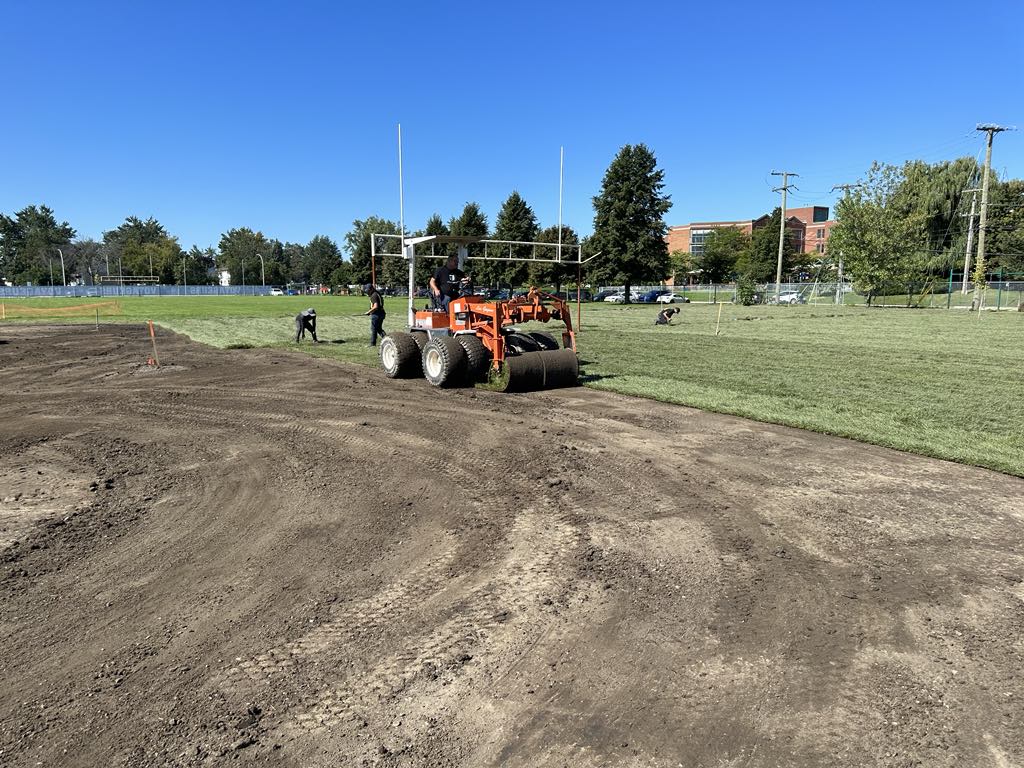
(97, 318)
(152, 336)
(718, 323)
(3, 311)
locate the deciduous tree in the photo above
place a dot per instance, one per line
(761, 260)
(357, 245)
(723, 248)
(874, 234)
(237, 253)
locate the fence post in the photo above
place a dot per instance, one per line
(949, 290)
(999, 291)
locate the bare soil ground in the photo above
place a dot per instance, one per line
(255, 557)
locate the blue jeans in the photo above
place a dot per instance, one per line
(376, 329)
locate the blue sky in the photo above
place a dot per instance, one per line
(282, 116)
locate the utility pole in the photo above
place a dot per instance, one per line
(782, 225)
(979, 267)
(840, 299)
(970, 239)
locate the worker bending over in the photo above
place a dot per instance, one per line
(665, 316)
(306, 321)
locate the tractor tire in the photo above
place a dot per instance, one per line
(444, 362)
(545, 340)
(478, 357)
(521, 343)
(399, 356)
(421, 338)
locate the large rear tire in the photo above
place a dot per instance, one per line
(444, 362)
(478, 357)
(421, 339)
(399, 356)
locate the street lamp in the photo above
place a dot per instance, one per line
(63, 274)
(243, 276)
(184, 274)
(263, 271)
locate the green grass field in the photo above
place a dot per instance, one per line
(943, 384)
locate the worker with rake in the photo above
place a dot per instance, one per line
(376, 313)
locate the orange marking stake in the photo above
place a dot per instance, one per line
(152, 336)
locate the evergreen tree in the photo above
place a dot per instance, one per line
(553, 274)
(322, 258)
(516, 221)
(28, 244)
(425, 267)
(473, 223)
(629, 224)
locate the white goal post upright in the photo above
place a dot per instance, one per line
(407, 245)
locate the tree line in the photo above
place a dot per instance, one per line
(899, 224)
(899, 227)
(628, 244)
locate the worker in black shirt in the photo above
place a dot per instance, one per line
(446, 282)
(665, 316)
(376, 313)
(306, 321)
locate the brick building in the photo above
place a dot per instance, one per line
(810, 224)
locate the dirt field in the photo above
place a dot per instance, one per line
(261, 558)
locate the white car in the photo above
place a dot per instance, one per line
(276, 292)
(672, 298)
(791, 297)
(620, 298)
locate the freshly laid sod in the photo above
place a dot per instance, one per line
(938, 383)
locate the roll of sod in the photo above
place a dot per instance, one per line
(538, 370)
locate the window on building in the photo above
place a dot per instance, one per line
(821, 247)
(820, 213)
(821, 233)
(697, 238)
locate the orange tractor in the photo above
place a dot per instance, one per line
(476, 341)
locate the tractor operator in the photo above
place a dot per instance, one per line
(446, 283)
(376, 313)
(306, 321)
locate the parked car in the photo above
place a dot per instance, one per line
(276, 292)
(602, 295)
(790, 297)
(620, 298)
(649, 297)
(672, 298)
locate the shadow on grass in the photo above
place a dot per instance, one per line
(590, 378)
(336, 341)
